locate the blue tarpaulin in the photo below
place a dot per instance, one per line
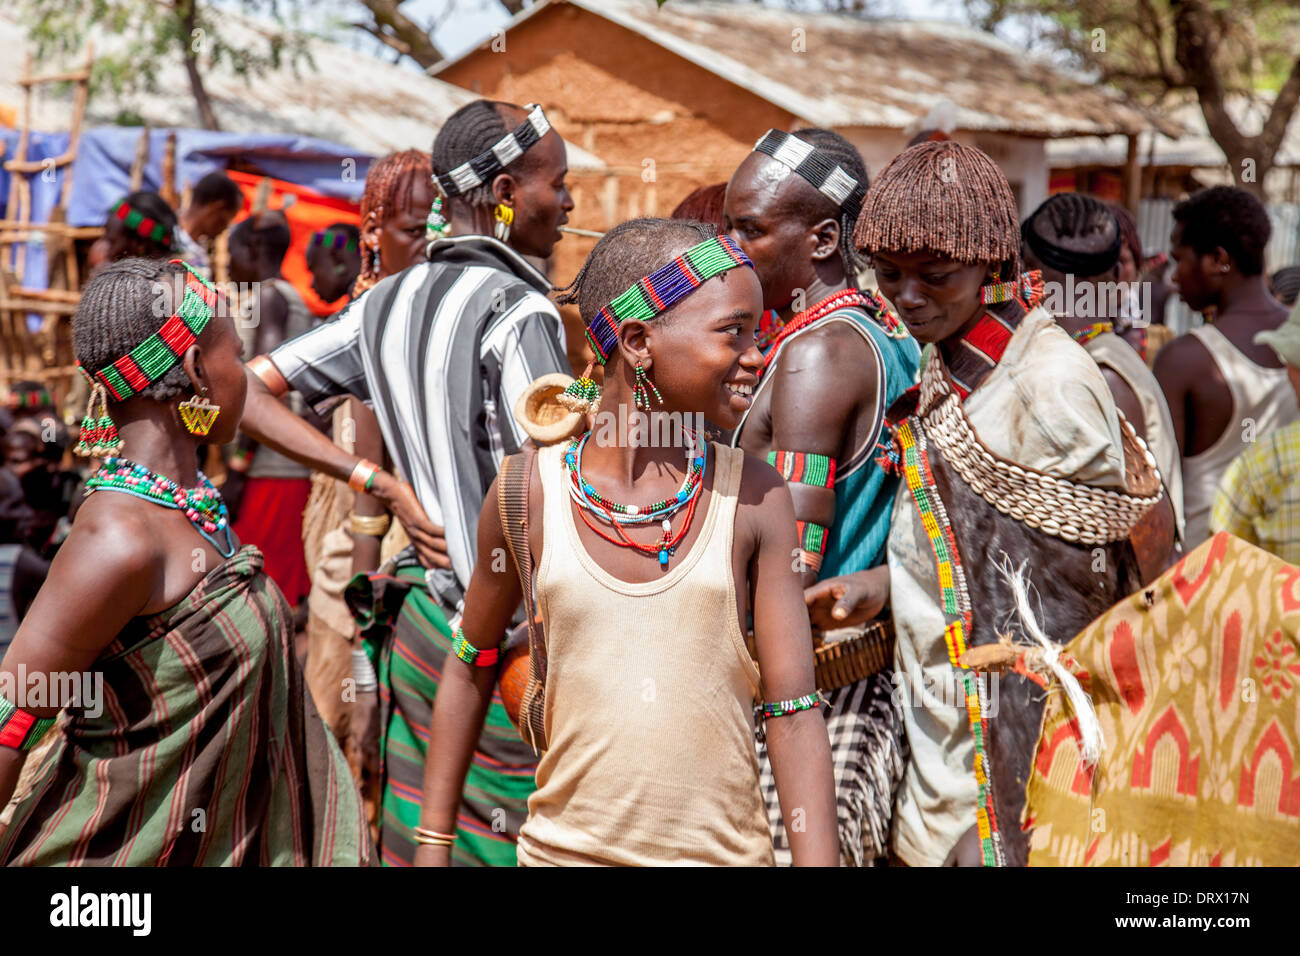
(102, 171)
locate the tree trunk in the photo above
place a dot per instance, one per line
(1196, 45)
(188, 13)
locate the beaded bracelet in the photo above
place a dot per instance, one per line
(20, 730)
(477, 656)
(812, 539)
(784, 708)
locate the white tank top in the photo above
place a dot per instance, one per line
(1262, 400)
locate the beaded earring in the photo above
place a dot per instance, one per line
(997, 290)
(505, 218)
(198, 415)
(642, 389)
(436, 225)
(99, 438)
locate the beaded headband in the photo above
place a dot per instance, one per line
(141, 224)
(155, 356)
(333, 239)
(510, 147)
(653, 295)
(662, 290)
(822, 173)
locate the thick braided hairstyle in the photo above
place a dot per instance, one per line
(126, 302)
(943, 197)
(389, 184)
(1073, 233)
(473, 129)
(846, 155)
(627, 254)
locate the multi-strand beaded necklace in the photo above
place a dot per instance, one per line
(845, 298)
(1089, 332)
(617, 515)
(202, 505)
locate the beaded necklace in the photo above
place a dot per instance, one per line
(1089, 332)
(845, 298)
(581, 490)
(617, 515)
(202, 505)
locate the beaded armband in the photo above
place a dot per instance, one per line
(476, 656)
(804, 467)
(784, 708)
(812, 543)
(20, 730)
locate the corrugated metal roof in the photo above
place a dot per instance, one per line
(342, 95)
(873, 73)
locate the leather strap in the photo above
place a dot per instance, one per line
(515, 479)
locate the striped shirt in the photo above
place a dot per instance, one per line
(407, 349)
(1259, 496)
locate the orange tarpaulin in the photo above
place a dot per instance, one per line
(309, 213)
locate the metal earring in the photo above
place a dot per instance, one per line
(642, 388)
(505, 217)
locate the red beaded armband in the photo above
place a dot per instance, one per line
(804, 467)
(477, 656)
(20, 730)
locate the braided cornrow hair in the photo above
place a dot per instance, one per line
(627, 254)
(841, 151)
(126, 302)
(389, 184)
(473, 129)
(943, 197)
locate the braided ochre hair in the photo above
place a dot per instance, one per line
(943, 197)
(389, 184)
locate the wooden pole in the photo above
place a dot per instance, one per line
(1132, 176)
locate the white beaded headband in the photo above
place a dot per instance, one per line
(485, 165)
(823, 174)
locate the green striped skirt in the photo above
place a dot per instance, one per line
(408, 637)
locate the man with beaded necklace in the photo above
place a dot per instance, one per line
(1012, 456)
(837, 363)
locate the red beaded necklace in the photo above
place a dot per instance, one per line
(663, 548)
(832, 303)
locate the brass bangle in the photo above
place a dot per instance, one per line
(271, 377)
(433, 837)
(362, 476)
(376, 526)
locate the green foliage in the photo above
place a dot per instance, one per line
(146, 33)
(1256, 41)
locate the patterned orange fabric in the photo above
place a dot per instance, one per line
(1196, 681)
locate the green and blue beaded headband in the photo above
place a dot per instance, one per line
(652, 296)
(334, 239)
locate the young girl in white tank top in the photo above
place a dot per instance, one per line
(648, 561)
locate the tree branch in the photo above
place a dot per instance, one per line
(1279, 116)
(391, 26)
